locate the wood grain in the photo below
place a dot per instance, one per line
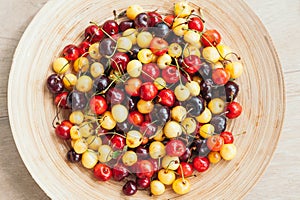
(281, 172)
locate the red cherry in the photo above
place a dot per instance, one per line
(233, 110)
(169, 19)
(132, 86)
(154, 164)
(83, 48)
(228, 137)
(119, 172)
(61, 99)
(143, 183)
(118, 142)
(175, 147)
(111, 27)
(210, 37)
(98, 104)
(200, 163)
(220, 76)
(148, 91)
(148, 129)
(154, 18)
(215, 142)
(93, 33)
(71, 52)
(151, 72)
(195, 23)
(135, 118)
(159, 46)
(63, 130)
(102, 172)
(187, 169)
(119, 61)
(170, 74)
(144, 168)
(166, 97)
(114, 96)
(191, 64)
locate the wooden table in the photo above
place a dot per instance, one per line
(281, 179)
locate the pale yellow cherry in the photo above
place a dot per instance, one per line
(175, 50)
(105, 153)
(124, 44)
(119, 112)
(193, 87)
(164, 60)
(159, 135)
(131, 34)
(89, 159)
(206, 130)
(204, 117)
(85, 129)
(191, 36)
(69, 81)
(182, 9)
(178, 113)
(189, 125)
(214, 157)
(133, 10)
(84, 83)
(216, 65)
(181, 92)
(180, 26)
(134, 139)
(235, 69)
(94, 51)
(60, 65)
(224, 51)
(74, 132)
(172, 129)
(96, 69)
(129, 158)
(145, 107)
(191, 50)
(76, 117)
(107, 121)
(145, 56)
(80, 146)
(167, 177)
(181, 186)
(94, 142)
(157, 187)
(157, 150)
(170, 162)
(211, 54)
(144, 39)
(134, 68)
(216, 106)
(160, 83)
(228, 151)
(81, 64)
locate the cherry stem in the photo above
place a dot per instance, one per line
(57, 111)
(108, 35)
(178, 69)
(242, 133)
(63, 67)
(166, 170)
(182, 175)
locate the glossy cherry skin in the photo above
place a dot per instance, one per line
(83, 48)
(98, 104)
(119, 172)
(55, 84)
(61, 100)
(210, 38)
(76, 100)
(150, 72)
(215, 142)
(201, 164)
(142, 152)
(195, 105)
(191, 64)
(71, 52)
(161, 30)
(142, 20)
(101, 83)
(187, 154)
(124, 25)
(73, 157)
(118, 142)
(231, 90)
(175, 147)
(160, 114)
(219, 122)
(169, 19)
(131, 102)
(135, 118)
(132, 86)
(195, 23)
(170, 74)
(220, 76)
(148, 129)
(187, 169)
(119, 61)
(122, 127)
(114, 96)
(132, 54)
(144, 168)
(130, 188)
(93, 34)
(148, 91)
(200, 147)
(107, 46)
(228, 137)
(166, 97)
(143, 183)
(154, 18)
(159, 46)
(63, 130)
(233, 110)
(102, 172)
(111, 27)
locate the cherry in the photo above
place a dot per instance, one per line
(130, 188)
(142, 20)
(111, 27)
(148, 91)
(154, 18)
(131, 102)
(233, 110)
(102, 172)
(191, 64)
(215, 142)
(195, 23)
(119, 172)
(71, 52)
(83, 48)
(132, 54)
(124, 25)
(186, 155)
(205, 71)
(142, 152)
(186, 168)
(200, 163)
(55, 84)
(166, 97)
(151, 72)
(135, 118)
(76, 100)
(200, 147)
(210, 37)
(169, 19)
(107, 47)
(101, 83)
(144, 168)
(63, 130)
(61, 100)
(122, 127)
(220, 76)
(161, 30)
(219, 122)
(114, 96)
(98, 104)
(160, 114)
(175, 147)
(93, 34)
(73, 157)
(119, 61)
(159, 46)
(228, 137)
(132, 86)
(206, 89)
(195, 105)
(118, 142)
(148, 129)
(170, 74)
(143, 183)
(232, 90)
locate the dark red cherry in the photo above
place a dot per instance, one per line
(114, 96)
(144, 168)
(195, 105)
(142, 152)
(160, 114)
(119, 61)
(195, 23)
(124, 25)
(102, 172)
(200, 163)
(71, 52)
(111, 27)
(150, 72)
(232, 90)
(73, 157)
(187, 154)
(61, 100)
(148, 91)
(123, 127)
(170, 74)
(101, 83)
(76, 100)
(93, 33)
(135, 118)
(191, 64)
(98, 104)
(130, 188)
(107, 47)
(219, 122)
(142, 20)
(154, 18)
(55, 84)
(83, 48)
(119, 172)
(118, 142)
(186, 169)
(63, 130)
(143, 183)
(148, 129)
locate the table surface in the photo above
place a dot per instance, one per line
(282, 177)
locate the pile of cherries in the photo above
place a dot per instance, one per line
(148, 99)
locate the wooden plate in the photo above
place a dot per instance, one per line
(31, 109)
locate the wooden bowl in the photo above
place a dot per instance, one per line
(31, 108)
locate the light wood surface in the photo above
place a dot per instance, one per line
(281, 179)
